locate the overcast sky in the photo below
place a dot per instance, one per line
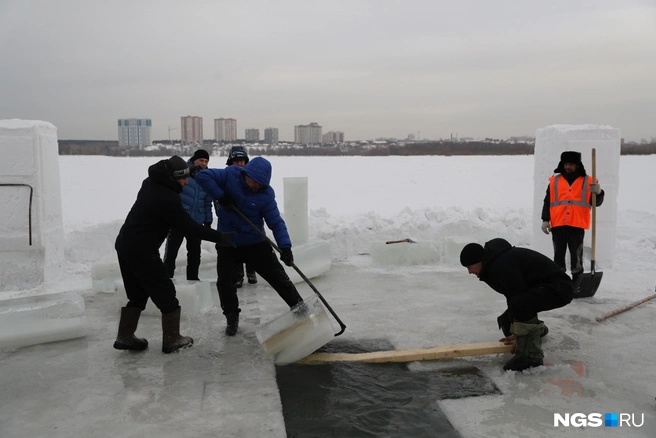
(378, 68)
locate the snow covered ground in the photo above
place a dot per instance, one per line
(356, 201)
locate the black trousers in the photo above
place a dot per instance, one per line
(146, 277)
(540, 298)
(173, 242)
(263, 260)
(568, 237)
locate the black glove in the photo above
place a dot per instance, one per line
(286, 256)
(193, 170)
(505, 322)
(225, 241)
(207, 224)
(226, 203)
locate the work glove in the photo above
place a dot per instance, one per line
(207, 224)
(227, 203)
(225, 241)
(193, 170)
(595, 188)
(505, 321)
(286, 256)
(545, 227)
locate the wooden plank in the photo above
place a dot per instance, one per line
(411, 354)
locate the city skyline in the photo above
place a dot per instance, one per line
(483, 69)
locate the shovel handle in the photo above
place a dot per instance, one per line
(594, 212)
(399, 241)
(330, 309)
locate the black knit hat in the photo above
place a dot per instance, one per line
(471, 254)
(177, 168)
(237, 152)
(200, 153)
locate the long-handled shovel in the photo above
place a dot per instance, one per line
(587, 284)
(330, 309)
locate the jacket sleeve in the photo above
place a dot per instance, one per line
(276, 224)
(212, 181)
(546, 215)
(208, 209)
(175, 215)
(600, 198)
(510, 280)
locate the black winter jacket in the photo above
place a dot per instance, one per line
(512, 271)
(158, 208)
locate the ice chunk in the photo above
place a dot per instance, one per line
(41, 318)
(296, 209)
(404, 254)
(195, 297)
(297, 333)
(313, 259)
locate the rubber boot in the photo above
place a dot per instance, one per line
(171, 338)
(544, 331)
(232, 326)
(126, 340)
(528, 353)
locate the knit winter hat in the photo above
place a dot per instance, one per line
(177, 168)
(471, 254)
(237, 152)
(200, 153)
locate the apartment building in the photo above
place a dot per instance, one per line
(134, 132)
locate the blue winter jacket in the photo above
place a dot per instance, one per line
(258, 206)
(196, 201)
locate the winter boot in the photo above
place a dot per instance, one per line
(528, 353)
(251, 275)
(239, 282)
(544, 331)
(171, 338)
(232, 326)
(192, 273)
(126, 340)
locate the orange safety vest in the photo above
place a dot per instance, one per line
(570, 205)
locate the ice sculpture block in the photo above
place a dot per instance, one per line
(195, 297)
(38, 319)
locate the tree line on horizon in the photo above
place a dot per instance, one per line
(445, 148)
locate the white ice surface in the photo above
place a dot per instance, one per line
(373, 199)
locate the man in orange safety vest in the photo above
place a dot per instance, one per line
(566, 209)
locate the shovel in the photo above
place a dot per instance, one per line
(587, 284)
(330, 309)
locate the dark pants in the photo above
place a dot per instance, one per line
(264, 261)
(146, 277)
(173, 242)
(540, 298)
(239, 271)
(568, 237)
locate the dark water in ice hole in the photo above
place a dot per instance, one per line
(372, 400)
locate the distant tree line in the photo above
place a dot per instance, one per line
(447, 148)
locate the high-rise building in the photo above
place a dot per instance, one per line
(271, 135)
(191, 130)
(307, 134)
(225, 129)
(252, 134)
(333, 137)
(134, 132)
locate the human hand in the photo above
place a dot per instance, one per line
(595, 188)
(546, 227)
(227, 203)
(286, 256)
(510, 340)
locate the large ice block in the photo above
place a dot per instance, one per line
(550, 142)
(296, 209)
(31, 226)
(195, 297)
(404, 254)
(312, 258)
(41, 318)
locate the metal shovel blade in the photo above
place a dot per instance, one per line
(587, 284)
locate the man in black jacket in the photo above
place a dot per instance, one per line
(157, 209)
(531, 283)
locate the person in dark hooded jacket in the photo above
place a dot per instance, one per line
(531, 283)
(566, 210)
(247, 189)
(158, 208)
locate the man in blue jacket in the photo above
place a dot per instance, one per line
(198, 204)
(247, 189)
